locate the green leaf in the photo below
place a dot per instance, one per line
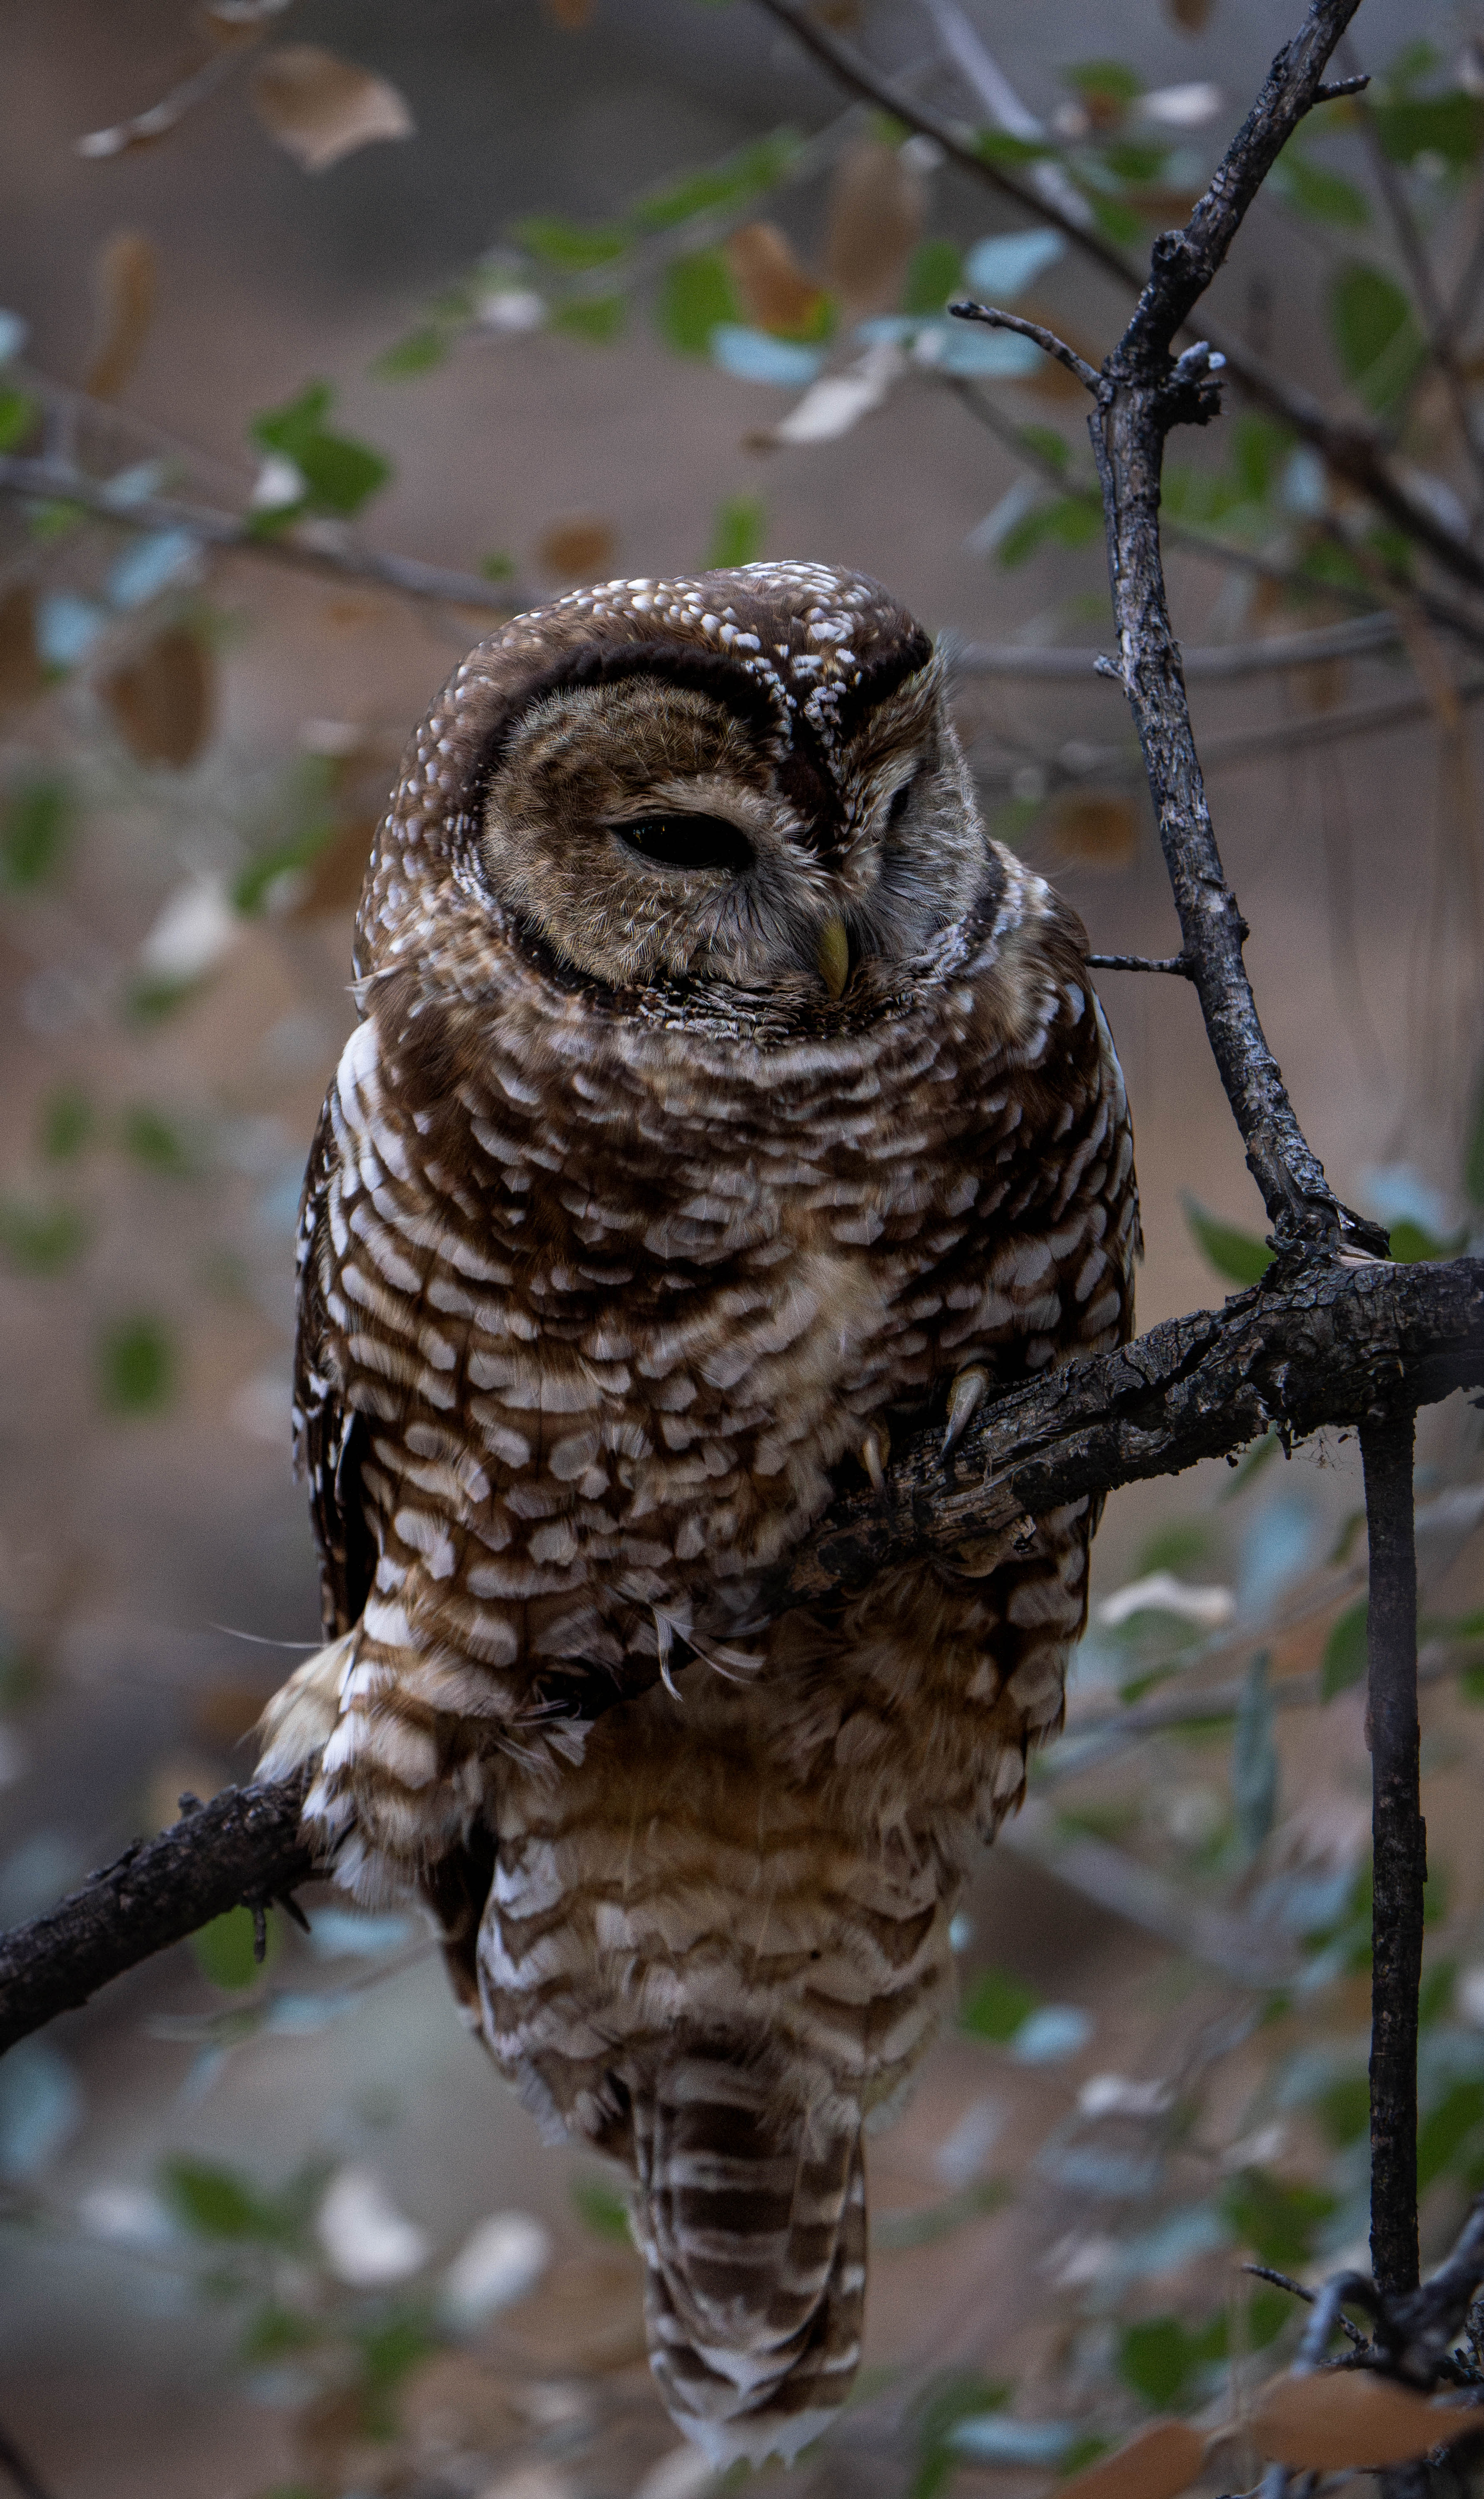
(934, 273)
(737, 179)
(1343, 2110)
(946, 2403)
(150, 1139)
(736, 533)
(1344, 1663)
(696, 295)
(995, 2007)
(417, 353)
(40, 1240)
(1411, 1243)
(565, 245)
(215, 2202)
(1001, 148)
(1122, 225)
(1113, 82)
(36, 825)
(136, 1367)
(1234, 1253)
(596, 318)
(339, 473)
(1450, 126)
(1317, 192)
(18, 412)
(1044, 442)
(223, 1949)
(1444, 2131)
(1160, 2356)
(497, 567)
(1407, 68)
(66, 1125)
(1071, 520)
(1136, 160)
(1278, 2220)
(388, 2351)
(275, 2331)
(1375, 337)
(1259, 448)
(603, 2210)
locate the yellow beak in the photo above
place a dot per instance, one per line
(835, 958)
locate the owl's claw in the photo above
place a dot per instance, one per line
(875, 1451)
(964, 1400)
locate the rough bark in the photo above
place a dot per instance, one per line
(1399, 1848)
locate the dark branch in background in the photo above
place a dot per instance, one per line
(1353, 450)
(60, 481)
(1398, 1847)
(1323, 1350)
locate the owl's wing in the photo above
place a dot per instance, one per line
(329, 1439)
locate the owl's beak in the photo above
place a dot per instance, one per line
(834, 956)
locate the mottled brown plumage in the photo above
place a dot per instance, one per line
(625, 1234)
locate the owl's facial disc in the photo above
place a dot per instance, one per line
(650, 835)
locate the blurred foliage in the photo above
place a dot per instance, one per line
(136, 1367)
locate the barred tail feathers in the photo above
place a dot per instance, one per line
(753, 2228)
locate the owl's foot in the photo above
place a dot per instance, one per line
(875, 1451)
(300, 1719)
(965, 1397)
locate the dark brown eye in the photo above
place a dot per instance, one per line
(688, 842)
(901, 799)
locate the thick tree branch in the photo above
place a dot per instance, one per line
(1324, 1350)
(243, 1847)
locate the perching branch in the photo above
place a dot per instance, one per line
(1324, 1350)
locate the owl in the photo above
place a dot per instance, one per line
(724, 1100)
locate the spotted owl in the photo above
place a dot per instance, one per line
(724, 1100)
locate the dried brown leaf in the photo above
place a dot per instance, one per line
(875, 223)
(1095, 827)
(586, 2314)
(161, 701)
(456, 2404)
(572, 15)
(577, 549)
(124, 296)
(334, 881)
(1159, 2463)
(321, 108)
(1192, 16)
(776, 293)
(844, 15)
(21, 674)
(1336, 2419)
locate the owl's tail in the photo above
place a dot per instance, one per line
(753, 2228)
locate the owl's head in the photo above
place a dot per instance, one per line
(740, 777)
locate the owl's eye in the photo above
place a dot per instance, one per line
(688, 842)
(901, 801)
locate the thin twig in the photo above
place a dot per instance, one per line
(1398, 1847)
(1177, 963)
(1299, 2291)
(58, 481)
(1045, 340)
(1358, 637)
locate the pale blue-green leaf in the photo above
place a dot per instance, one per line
(1398, 1193)
(972, 353)
(336, 1931)
(41, 2105)
(1277, 1547)
(1304, 484)
(150, 565)
(67, 627)
(752, 356)
(1000, 267)
(130, 486)
(13, 334)
(1254, 1759)
(989, 2438)
(1052, 2034)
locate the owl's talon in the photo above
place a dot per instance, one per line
(875, 1451)
(965, 1397)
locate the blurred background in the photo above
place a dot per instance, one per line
(514, 296)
